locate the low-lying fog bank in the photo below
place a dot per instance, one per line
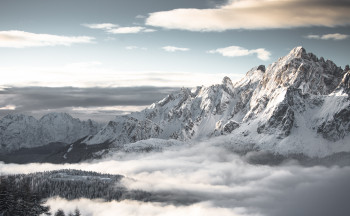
(206, 179)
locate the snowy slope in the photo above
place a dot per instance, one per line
(299, 104)
(18, 130)
(184, 115)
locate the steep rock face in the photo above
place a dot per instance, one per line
(337, 127)
(286, 85)
(345, 83)
(18, 131)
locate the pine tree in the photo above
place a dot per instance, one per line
(59, 212)
(6, 197)
(19, 200)
(77, 212)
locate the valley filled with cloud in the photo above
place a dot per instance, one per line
(209, 179)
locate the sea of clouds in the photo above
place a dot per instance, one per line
(206, 179)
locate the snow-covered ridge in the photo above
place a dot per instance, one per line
(18, 130)
(299, 104)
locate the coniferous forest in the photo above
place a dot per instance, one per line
(25, 194)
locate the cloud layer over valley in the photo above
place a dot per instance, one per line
(209, 179)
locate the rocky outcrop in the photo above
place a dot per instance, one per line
(345, 83)
(229, 127)
(337, 127)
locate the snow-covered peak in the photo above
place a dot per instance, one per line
(297, 52)
(303, 71)
(18, 130)
(55, 115)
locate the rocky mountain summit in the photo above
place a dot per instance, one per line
(298, 105)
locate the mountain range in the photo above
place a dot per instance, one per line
(298, 105)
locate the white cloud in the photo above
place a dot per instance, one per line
(101, 26)
(131, 47)
(149, 30)
(116, 29)
(255, 14)
(140, 17)
(130, 30)
(8, 107)
(236, 51)
(21, 39)
(335, 36)
(135, 208)
(135, 47)
(126, 30)
(174, 49)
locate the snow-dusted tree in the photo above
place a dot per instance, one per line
(19, 200)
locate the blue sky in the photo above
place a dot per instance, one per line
(161, 43)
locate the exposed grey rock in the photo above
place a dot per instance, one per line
(337, 127)
(230, 126)
(280, 123)
(262, 68)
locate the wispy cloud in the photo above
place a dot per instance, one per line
(140, 17)
(335, 36)
(127, 30)
(131, 47)
(116, 29)
(8, 107)
(135, 47)
(174, 49)
(236, 51)
(149, 30)
(255, 14)
(101, 26)
(22, 39)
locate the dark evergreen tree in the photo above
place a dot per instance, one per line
(59, 212)
(7, 197)
(19, 200)
(77, 212)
